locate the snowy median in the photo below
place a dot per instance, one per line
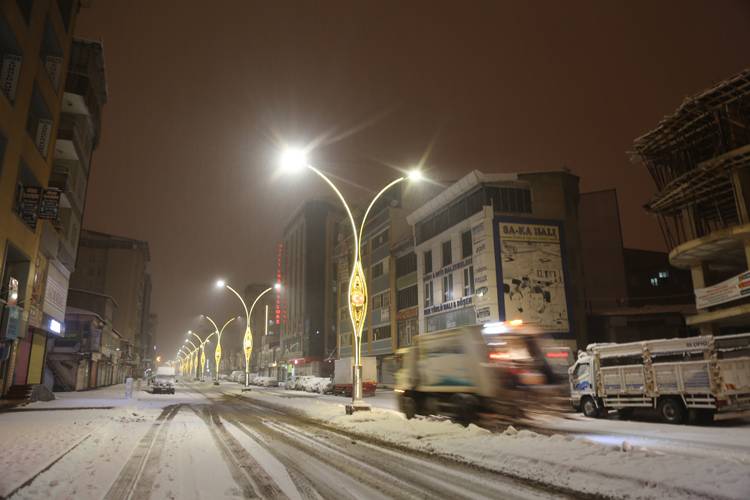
(564, 462)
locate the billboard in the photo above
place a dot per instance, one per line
(734, 288)
(532, 274)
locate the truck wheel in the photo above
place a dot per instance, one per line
(408, 406)
(671, 410)
(589, 408)
(464, 408)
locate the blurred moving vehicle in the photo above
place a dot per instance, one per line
(342, 376)
(704, 378)
(163, 380)
(473, 370)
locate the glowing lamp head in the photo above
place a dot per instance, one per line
(277, 286)
(293, 160)
(415, 175)
(221, 283)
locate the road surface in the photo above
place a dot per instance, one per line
(208, 443)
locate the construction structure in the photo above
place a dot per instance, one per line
(698, 158)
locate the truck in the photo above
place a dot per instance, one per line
(342, 376)
(702, 378)
(163, 380)
(465, 372)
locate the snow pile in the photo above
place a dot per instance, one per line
(321, 385)
(566, 462)
(263, 381)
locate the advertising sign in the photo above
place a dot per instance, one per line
(734, 288)
(55, 293)
(11, 326)
(11, 69)
(49, 205)
(532, 275)
(43, 133)
(53, 65)
(485, 281)
(28, 204)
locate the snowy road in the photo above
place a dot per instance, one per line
(205, 442)
(724, 439)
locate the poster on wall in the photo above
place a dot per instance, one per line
(485, 282)
(532, 275)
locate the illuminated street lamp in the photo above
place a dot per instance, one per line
(296, 160)
(193, 356)
(217, 352)
(247, 341)
(203, 343)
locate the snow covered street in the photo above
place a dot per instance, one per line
(219, 442)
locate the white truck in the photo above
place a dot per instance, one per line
(704, 378)
(342, 376)
(163, 380)
(467, 371)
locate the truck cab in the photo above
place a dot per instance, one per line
(582, 386)
(163, 381)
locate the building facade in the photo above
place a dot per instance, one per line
(502, 247)
(631, 294)
(37, 234)
(118, 267)
(699, 158)
(307, 300)
(90, 355)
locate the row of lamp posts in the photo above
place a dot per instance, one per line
(296, 160)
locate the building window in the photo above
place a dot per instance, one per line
(406, 264)
(11, 59)
(654, 281)
(663, 274)
(428, 295)
(380, 240)
(468, 281)
(381, 301)
(448, 287)
(428, 261)
(39, 122)
(406, 298)
(447, 256)
(466, 247)
(382, 332)
(510, 199)
(378, 270)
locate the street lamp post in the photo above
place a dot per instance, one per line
(297, 160)
(247, 341)
(217, 351)
(194, 353)
(203, 343)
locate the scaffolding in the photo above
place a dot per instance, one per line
(693, 154)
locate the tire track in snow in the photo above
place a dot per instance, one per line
(245, 469)
(127, 482)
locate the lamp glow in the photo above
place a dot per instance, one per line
(221, 284)
(293, 159)
(415, 175)
(277, 286)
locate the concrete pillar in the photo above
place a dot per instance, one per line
(698, 272)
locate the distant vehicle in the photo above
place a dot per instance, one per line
(163, 381)
(467, 371)
(705, 378)
(342, 376)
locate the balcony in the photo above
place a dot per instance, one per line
(74, 139)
